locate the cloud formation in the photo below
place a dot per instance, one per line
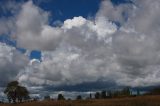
(93, 50)
(34, 33)
(83, 50)
(12, 62)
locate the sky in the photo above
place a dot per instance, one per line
(79, 46)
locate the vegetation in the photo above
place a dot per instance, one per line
(127, 101)
(47, 97)
(103, 94)
(97, 95)
(79, 97)
(125, 92)
(15, 92)
(155, 91)
(60, 97)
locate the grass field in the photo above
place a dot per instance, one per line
(130, 101)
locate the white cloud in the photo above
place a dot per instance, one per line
(7, 26)
(7, 22)
(114, 13)
(33, 31)
(83, 50)
(92, 50)
(75, 22)
(11, 63)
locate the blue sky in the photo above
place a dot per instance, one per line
(71, 8)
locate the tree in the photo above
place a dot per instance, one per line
(16, 92)
(79, 97)
(60, 97)
(126, 91)
(103, 94)
(109, 94)
(138, 92)
(90, 96)
(155, 91)
(47, 97)
(97, 95)
(22, 93)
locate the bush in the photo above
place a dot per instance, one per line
(60, 97)
(79, 97)
(47, 98)
(97, 95)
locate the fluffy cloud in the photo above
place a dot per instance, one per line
(34, 33)
(11, 63)
(9, 10)
(7, 26)
(93, 50)
(114, 13)
(78, 58)
(83, 50)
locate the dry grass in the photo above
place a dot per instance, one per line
(130, 101)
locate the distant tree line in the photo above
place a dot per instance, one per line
(110, 94)
(154, 91)
(99, 95)
(16, 93)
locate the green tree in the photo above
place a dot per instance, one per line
(103, 94)
(109, 94)
(90, 96)
(126, 91)
(138, 92)
(97, 95)
(79, 97)
(22, 93)
(16, 92)
(60, 97)
(47, 97)
(155, 91)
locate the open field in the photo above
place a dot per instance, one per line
(130, 101)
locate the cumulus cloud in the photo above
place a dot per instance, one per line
(114, 13)
(136, 45)
(91, 50)
(7, 25)
(78, 56)
(11, 63)
(83, 50)
(35, 33)
(9, 10)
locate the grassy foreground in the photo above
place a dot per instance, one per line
(130, 101)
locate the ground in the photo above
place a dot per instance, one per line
(128, 101)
